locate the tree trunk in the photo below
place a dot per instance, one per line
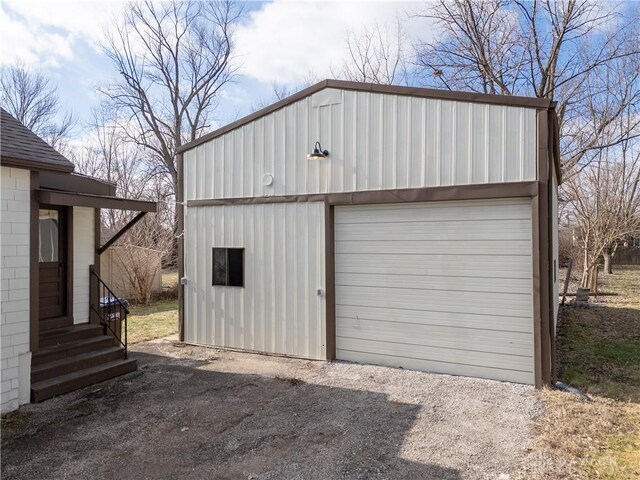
(607, 263)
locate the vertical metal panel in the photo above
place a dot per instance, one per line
(278, 310)
(377, 141)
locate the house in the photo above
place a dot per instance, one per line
(388, 225)
(58, 331)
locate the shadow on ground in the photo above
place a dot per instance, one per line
(174, 420)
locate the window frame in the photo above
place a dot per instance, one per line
(227, 266)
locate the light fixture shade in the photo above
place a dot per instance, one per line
(318, 153)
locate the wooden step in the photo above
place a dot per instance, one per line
(69, 349)
(74, 363)
(72, 381)
(58, 336)
(53, 323)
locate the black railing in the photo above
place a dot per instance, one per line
(109, 309)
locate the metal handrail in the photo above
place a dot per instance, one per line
(113, 309)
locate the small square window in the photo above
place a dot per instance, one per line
(228, 267)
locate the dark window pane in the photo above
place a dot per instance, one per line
(236, 267)
(219, 266)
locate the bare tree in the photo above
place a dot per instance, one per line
(33, 99)
(572, 51)
(173, 59)
(376, 55)
(139, 256)
(604, 203)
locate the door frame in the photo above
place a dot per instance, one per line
(66, 213)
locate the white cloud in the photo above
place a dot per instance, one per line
(284, 41)
(46, 33)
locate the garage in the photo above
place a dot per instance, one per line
(442, 287)
(397, 226)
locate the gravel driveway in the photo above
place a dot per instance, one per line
(192, 412)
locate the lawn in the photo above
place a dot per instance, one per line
(599, 353)
(147, 322)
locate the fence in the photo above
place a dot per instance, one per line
(626, 256)
(111, 270)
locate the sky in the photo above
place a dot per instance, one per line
(278, 42)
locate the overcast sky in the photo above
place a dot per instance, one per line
(279, 41)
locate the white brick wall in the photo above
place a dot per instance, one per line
(14, 287)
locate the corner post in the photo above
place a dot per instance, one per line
(180, 235)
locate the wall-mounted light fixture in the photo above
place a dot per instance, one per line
(318, 153)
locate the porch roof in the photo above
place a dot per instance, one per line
(75, 199)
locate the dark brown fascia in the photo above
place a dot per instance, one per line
(426, 194)
(35, 165)
(76, 184)
(507, 100)
(53, 197)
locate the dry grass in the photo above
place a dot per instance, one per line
(591, 440)
(598, 352)
(148, 322)
(169, 279)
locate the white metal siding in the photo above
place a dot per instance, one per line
(376, 141)
(83, 257)
(278, 310)
(444, 287)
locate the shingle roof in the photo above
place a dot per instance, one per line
(20, 147)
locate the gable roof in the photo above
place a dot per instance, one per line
(21, 148)
(509, 100)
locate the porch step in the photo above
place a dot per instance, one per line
(58, 322)
(74, 363)
(69, 349)
(59, 336)
(72, 381)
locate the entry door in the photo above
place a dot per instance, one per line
(53, 262)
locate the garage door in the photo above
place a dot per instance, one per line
(443, 287)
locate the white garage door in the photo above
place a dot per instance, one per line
(443, 287)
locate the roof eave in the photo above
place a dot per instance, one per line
(36, 165)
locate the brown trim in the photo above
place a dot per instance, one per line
(94, 201)
(330, 279)
(426, 194)
(553, 151)
(555, 138)
(121, 232)
(76, 184)
(180, 236)
(537, 334)
(509, 100)
(35, 165)
(34, 273)
(543, 247)
(69, 261)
